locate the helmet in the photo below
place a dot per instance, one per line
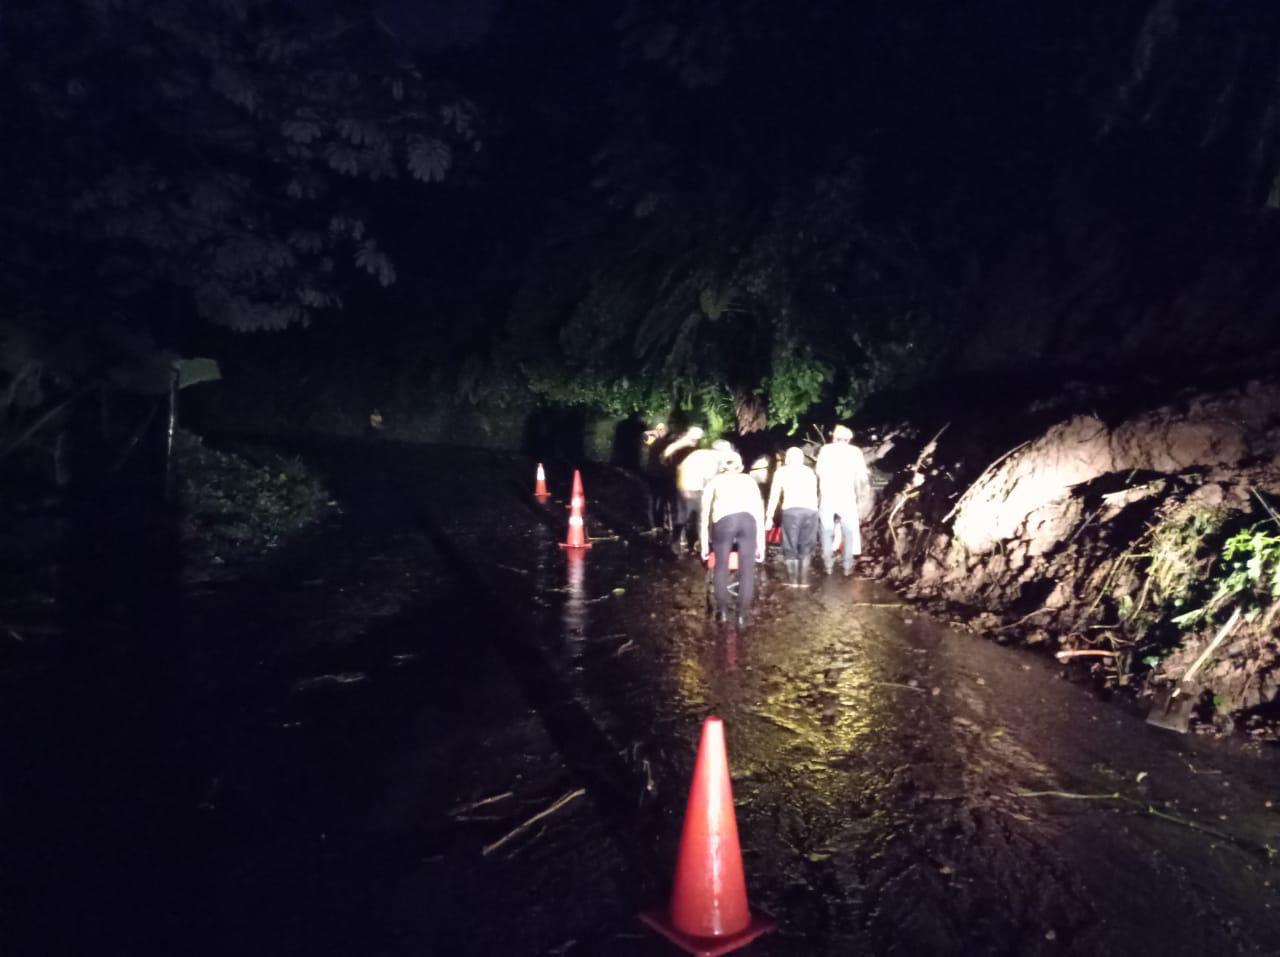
(722, 445)
(793, 456)
(730, 461)
(841, 433)
(695, 433)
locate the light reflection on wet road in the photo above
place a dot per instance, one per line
(427, 679)
(883, 768)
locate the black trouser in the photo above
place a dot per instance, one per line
(660, 493)
(799, 532)
(740, 529)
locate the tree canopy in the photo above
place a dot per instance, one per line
(172, 160)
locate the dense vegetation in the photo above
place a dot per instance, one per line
(746, 209)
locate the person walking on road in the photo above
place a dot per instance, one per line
(659, 480)
(842, 482)
(732, 515)
(693, 471)
(795, 487)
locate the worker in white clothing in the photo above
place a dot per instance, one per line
(694, 469)
(842, 476)
(795, 488)
(732, 515)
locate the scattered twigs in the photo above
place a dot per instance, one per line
(521, 828)
(1194, 770)
(990, 469)
(1152, 811)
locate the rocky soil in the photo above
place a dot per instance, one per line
(1118, 534)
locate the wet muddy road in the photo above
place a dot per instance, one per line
(429, 729)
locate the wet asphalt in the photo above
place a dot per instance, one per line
(427, 728)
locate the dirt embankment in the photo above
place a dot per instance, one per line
(1120, 540)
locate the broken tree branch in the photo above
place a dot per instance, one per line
(1064, 655)
(520, 829)
(978, 481)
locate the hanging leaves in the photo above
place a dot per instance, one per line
(429, 159)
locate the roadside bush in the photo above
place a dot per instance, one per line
(249, 499)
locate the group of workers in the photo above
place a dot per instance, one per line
(708, 489)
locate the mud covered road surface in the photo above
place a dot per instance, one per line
(427, 729)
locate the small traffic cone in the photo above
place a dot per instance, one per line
(577, 536)
(540, 485)
(709, 915)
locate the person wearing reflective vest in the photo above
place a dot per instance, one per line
(693, 471)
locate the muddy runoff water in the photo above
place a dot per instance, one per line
(431, 730)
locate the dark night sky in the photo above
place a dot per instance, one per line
(433, 23)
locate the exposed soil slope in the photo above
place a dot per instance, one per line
(1130, 534)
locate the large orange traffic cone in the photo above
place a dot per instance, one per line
(577, 537)
(540, 485)
(709, 915)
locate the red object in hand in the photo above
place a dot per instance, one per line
(774, 535)
(733, 561)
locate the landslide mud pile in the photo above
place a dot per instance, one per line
(1119, 541)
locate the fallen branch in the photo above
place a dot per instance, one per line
(520, 829)
(1098, 652)
(1266, 505)
(1150, 810)
(985, 472)
(1089, 518)
(897, 684)
(46, 418)
(1028, 615)
(463, 809)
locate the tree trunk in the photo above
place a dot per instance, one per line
(750, 410)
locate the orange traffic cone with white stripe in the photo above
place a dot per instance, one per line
(708, 914)
(577, 537)
(540, 485)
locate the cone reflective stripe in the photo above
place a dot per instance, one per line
(577, 536)
(540, 484)
(708, 914)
